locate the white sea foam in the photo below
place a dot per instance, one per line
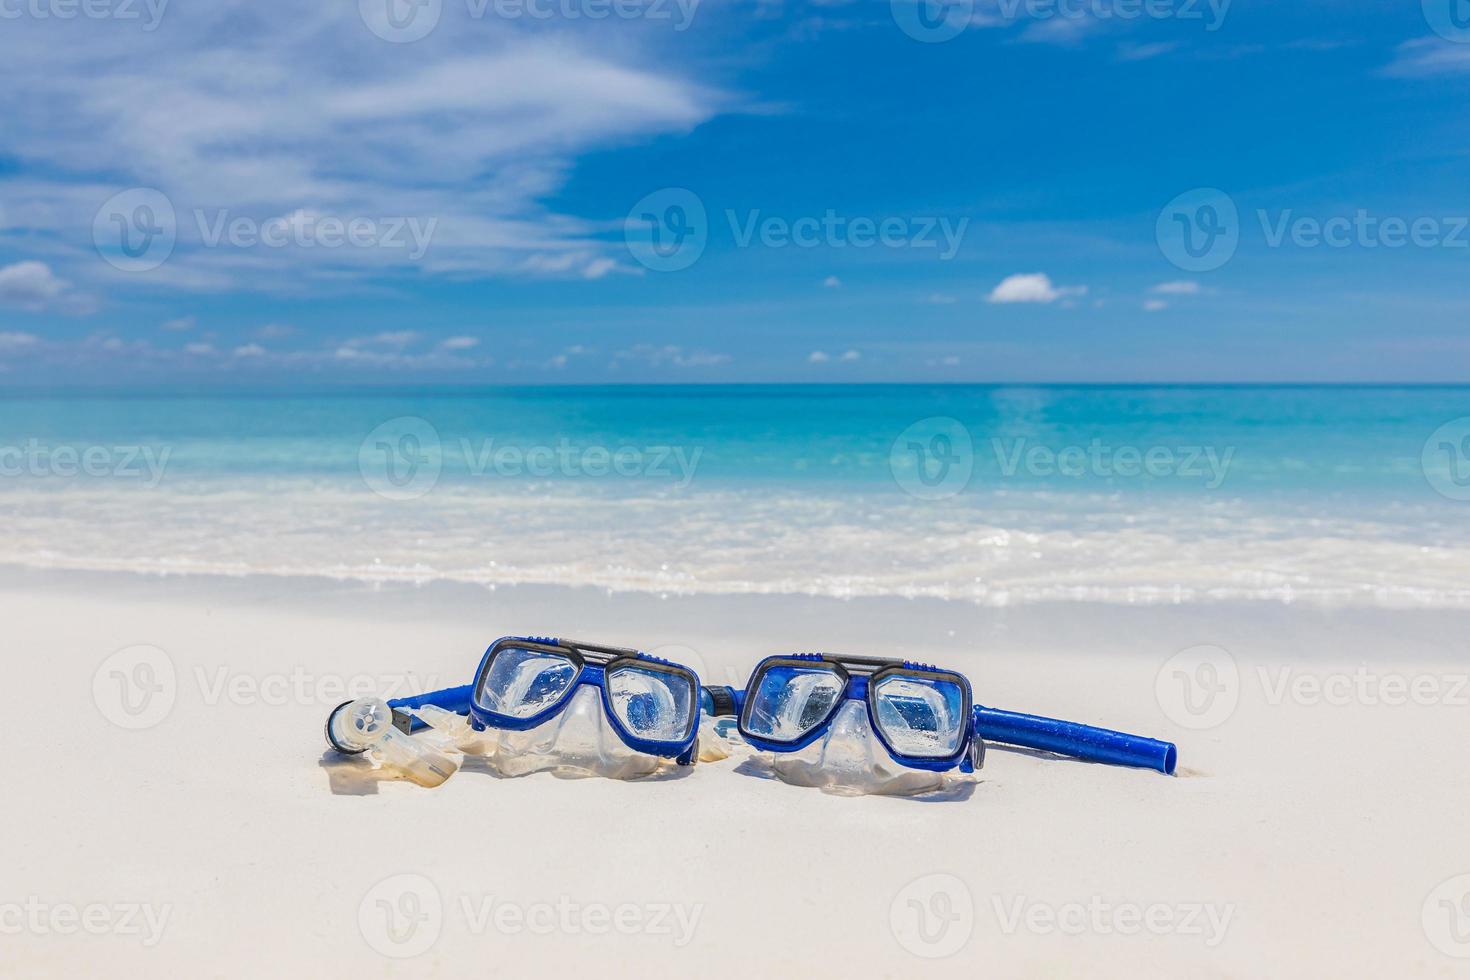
(1006, 548)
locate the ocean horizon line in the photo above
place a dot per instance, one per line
(236, 390)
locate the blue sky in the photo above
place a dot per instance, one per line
(315, 196)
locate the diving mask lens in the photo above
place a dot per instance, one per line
(921, 717)
(789, 701)
(653, 704)
(523, 683)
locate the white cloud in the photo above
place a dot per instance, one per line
(818, 357)
(31, 285)
(1179, 287)
(274, 331)
(851, 355)
(939, 299)
(474, 127)
(951, 361)
(179, 325)
(249, 350)
(1033, 287)
(16, 340)
(1155, 305)
(199, 349)
(831, 282)
(459, 343)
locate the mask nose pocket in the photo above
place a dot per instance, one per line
(577, 741)
(849, 760)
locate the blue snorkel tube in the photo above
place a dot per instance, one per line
(1073, 740)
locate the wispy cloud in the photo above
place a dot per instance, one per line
(269, 109)
(1129, 51)
(1177, 287)
(669, 355)
(1427, 57)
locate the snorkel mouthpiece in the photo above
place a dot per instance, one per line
(366, 726)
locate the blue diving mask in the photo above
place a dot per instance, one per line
(577, 709)
(858, 725)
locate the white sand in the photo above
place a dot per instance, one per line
(1300, 839)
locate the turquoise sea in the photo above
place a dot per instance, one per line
(993, 494)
